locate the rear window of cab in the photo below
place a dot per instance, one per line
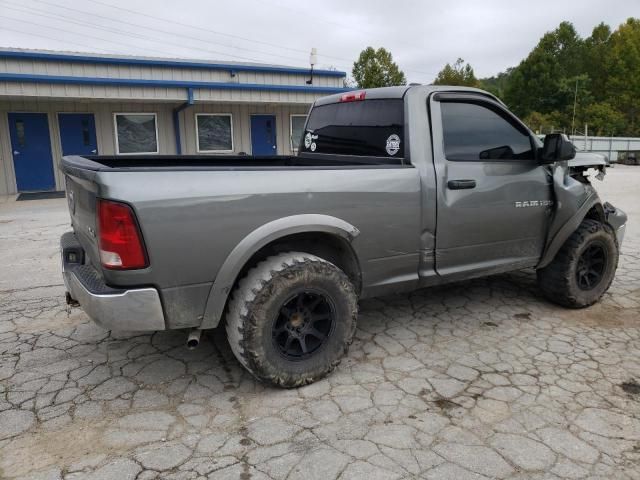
(365, 128)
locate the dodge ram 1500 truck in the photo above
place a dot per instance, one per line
(394, 189)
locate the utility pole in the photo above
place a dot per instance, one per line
(586, 137)
(575, 101)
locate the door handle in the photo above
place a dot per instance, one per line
(461, 184)
(16, 152)
(94, 151)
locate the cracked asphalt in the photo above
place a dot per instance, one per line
(480, 379)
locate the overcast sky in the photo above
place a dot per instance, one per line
(422, 35)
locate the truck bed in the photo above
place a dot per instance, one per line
(225, 162)
(195, 211)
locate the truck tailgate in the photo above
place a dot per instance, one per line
(81, 197)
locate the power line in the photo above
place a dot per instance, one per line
(345, 66)
(190, 37)
(344, 26)
(72, 33)
(188, 25)
(30, 34)
(208, 30)
(126, 33)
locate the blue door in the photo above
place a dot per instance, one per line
(31, 147)
(78, 133)
(263, 135)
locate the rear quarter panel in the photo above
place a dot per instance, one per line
(192, 220)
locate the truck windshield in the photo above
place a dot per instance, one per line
(365, 128)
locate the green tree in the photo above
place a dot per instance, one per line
(544, 123)
(605, 67)
(623, 68)
(539, 82)
(376, 68)
(459, 74)
(497, 83)
(596, 54)
(603, 119)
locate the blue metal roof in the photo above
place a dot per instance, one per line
(108, 60)
(62, 79)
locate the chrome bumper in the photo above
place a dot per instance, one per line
(137, 309)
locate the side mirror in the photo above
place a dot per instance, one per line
(557, 146)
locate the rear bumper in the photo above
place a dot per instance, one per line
(137, 309)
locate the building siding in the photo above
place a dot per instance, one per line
(60, 95)
(58, 68)
(111, 92)
(105, 135)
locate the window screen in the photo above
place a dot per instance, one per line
(474, 132)
(20, 133)
(136, 133)
(215, 133)
(365, 128)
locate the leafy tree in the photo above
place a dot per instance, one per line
(603, 119)
(544, 123)
(376, 68)
(497, 83)
(542, 89)
(539, 82)
(459, 74)
(623, 84)
(597, 53)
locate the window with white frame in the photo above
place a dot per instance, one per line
(297, 129)
(214, 132)
(136, 132)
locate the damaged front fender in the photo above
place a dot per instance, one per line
(573, 200)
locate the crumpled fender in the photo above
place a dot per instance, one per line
(254, 241)
(573, 200)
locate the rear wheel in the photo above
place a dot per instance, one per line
(583, 269)
(292, 319)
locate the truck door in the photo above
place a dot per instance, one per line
(494, 199)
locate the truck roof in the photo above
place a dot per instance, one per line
(399, 92)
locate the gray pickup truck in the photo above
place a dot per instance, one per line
(394, 189)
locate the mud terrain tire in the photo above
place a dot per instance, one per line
(583, 269)
(291, 319)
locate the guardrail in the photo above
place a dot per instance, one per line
(610, 146)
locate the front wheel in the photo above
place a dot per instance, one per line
(291, 319)
(583, 269)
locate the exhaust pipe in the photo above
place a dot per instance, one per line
(72, 302)
(193, 339)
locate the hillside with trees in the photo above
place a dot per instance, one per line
(599, 74)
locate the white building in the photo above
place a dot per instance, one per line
(55, 103)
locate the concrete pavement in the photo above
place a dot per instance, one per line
(481, 379)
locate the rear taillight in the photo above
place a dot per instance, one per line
(121, 246)
(353, 96)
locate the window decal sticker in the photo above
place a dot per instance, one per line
(393, 144)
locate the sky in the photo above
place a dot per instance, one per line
(423, 36)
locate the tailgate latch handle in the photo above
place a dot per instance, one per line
(461, 184)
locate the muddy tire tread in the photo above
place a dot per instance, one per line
(254, 287)
(555, 280)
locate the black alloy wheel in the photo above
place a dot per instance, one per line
(303, 325)
(591, 266)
